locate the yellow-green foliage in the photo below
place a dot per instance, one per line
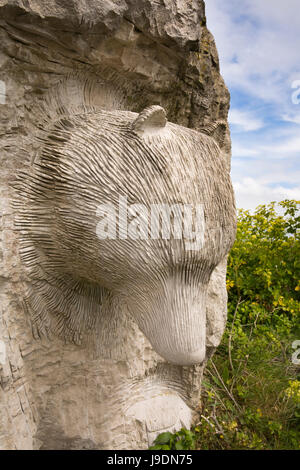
(252, 388)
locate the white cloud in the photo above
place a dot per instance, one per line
(250, 193)
(242, 151)
(291, 118)
(258, 43)
(274, 144)
(268, 172)
(245, 120)
(283, 149)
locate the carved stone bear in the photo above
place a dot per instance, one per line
(94, 159)
(148, 305)
(113, 249)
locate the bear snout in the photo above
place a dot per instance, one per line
(173, 318)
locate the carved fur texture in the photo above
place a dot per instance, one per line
(78, 284)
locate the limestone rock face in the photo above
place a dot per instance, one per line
(61, 62)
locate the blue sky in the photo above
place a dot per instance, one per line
(259, 48)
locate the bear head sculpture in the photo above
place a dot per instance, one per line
(125, 210)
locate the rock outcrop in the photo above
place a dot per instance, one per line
(58, 59)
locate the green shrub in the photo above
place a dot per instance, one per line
(181, 440)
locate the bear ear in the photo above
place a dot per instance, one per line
(150, 120)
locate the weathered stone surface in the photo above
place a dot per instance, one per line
(56, 395)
